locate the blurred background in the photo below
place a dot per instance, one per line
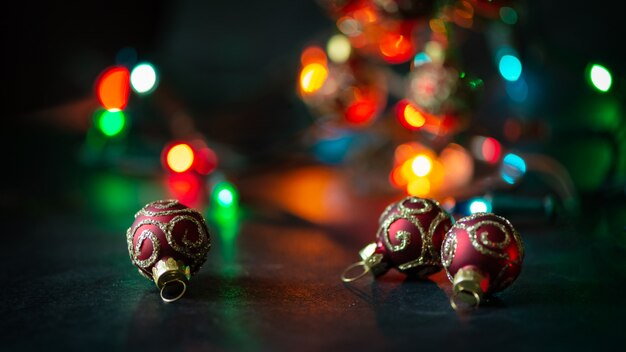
(515, 105)
(291, 125)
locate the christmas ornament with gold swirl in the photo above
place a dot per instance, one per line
(482, 254)
(409, 239)
(168, 242)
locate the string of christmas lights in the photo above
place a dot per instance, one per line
(394, 69)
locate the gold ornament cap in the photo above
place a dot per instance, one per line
(171, 277)
(370, 262)
(467, 292)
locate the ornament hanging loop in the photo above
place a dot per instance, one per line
(464, 300)
(344, 275)
(173, 290)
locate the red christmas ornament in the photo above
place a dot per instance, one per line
(168, 242)
(409, 239)
(482, 254)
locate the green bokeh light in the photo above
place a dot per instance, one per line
(508, 15)
(111, 122)
(600, 78)
(225, 195)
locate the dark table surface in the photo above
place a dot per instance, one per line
(272, 278)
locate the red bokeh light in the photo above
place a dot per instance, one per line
(491, 150)
(361, 111)
(396, 48)
(205, 161)
(186, 188)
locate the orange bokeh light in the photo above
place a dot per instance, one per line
(312, 77)
(313, 55)
(418, 187)
(113, 87)
(459, 166)
(413, 117)
(396, 178)
(409, 116)
(417, 170)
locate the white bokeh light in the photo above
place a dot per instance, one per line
(143, 78)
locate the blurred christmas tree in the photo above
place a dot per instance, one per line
(419, 94)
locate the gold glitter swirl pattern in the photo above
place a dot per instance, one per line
(156, 244)
(203, 237)
(163, 204)
(426, 206)
(480, 240)
(441, 216)
(195, 250)
(449, 249)
(163, 210)
(403, 236)
(201, 243)
(428, 255)
(412, 264)
(144, 212)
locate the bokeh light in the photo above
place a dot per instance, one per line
(409, 116)
(312, 77)
(179, 157)
(518, 90)
(435, 51)
(361, 111)
(225, 195)
(421, 165)
(413, 117)
(510, 67)
(111, 122)
(396, 48)
(419, 187)
(458, 165)
(113, 88)
(513, 168)
(600, 78)
(508, 15)
(420, 59)
(334, 148)
(491, 150)
(143, 78)
(479, 205)
(338, 48)
(418, 170)
(186, 187)
(206, 160)
(313, 55)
